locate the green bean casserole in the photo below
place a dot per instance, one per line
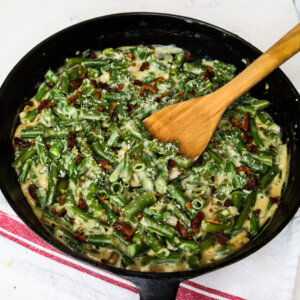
(104, 187)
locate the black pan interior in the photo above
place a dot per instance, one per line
(201, 39)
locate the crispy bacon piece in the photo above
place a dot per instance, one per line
(188, 205)
(79, 158)
(105, 165)
(188, 56)
(124, 228)
(49, 84)
(220, 237)
(62, 198)
(71, 140)
(102, 198)
(158, 79)
(28, 103)
(72, 220)
(172, 164)
(120, 86)
(19, 143)
(148, 87)
(180, 94)
(82, 204)
(105, 86)
(93, 55)
(144, 66)
(212, 178)
(272, 148)
(252, 148)
(60, 213)
(111, 113)
(32, 191)
(76, 83)
(99, 107)
(196, 221)
(274, 200)
(131, 107)
(80, 236)
(138, 82)
(227, 203)
(183, 232)
(44, 104)
(151, 47)
(234, 122)
(252, 183)
(213, 221)
(245, 169)
(72, 98)
(245, 124)
(256, 213)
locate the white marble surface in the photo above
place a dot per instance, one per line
(23, 24)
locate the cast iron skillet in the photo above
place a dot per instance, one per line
(201, 39)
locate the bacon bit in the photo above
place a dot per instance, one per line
(220, 237)
(219, 203)
(245, 169)
(131, 55)
(114, 103)
(79, 158)
(245, 124)
(72, 220)
(120, 86)
(104, 86)
(158, 79)
(61, 213)
(80, 236)
(213, 221)
(124, 228)
(256, 213)
(76, 83)
(209, 74)
(111, 113)
(144, 66)
(252, 183)
(188, 205)
(97, 95)
(93, 55)
(71, 140)
(151, 47)
(188, 56)
(215, 143)
(196, 221)
(44, 104)
(105, 165)
(227, 203)
(62, 198)
(102, 198)
(148, 87)
(252, 148)
(138, 82)
(248, 139)
(32, 191)
(93, 128)
(272, 148)
(183, 232)
(180, 94)
(19, 143)
(28, 103)
(235, 122)
(72, 98)
(99, 107)
(172, 164)
(139, 216)
(94, 83)
(49, 84)
(79, 68)
(274, 200)
(82, 204)
(212, 178)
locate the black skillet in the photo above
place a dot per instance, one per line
(201, 39)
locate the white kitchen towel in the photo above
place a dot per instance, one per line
(36, 268)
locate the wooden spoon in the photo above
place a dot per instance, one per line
(193, 122)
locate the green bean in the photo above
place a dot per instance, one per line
(240, 145)
(163, 148)
(194, 262)
(212, 227)
(114, 135)
(183, 162)
(186, 245)
(56, 149)
(42, 91)
(118, 200)
(126, 261)
(246, 109)
(132, 130)
(142, 128)
(70, 240)
(237, 199)
(94, 206)
(31, 132)
(162, 180)
(176, 194)
(55, 132)
(254, 134)
(145, 181)
(30, 116)
(135, 249)
(250, 201)
(25, 170)
(254, 225)
(230, 167)
(265, 118)
(138, 204)
(51, 76)
(160, 229)
(173, 258)
(260, 104)
(266, 159)
(126, 171)
(52, 183)
(254, 164)
(42, 151)
(85, 217)
(179, 59)
(116, 187)
(110, 215)
(115, 175)
(215, 156)
(156, 245)
(27, 154)
(268, 177)
(98, 150)
(207, 242)
(64, 84)
(119, 97)
(101, 240)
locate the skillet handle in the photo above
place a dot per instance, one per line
(156, 289)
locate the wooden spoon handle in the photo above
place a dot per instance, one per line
(286, 47)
